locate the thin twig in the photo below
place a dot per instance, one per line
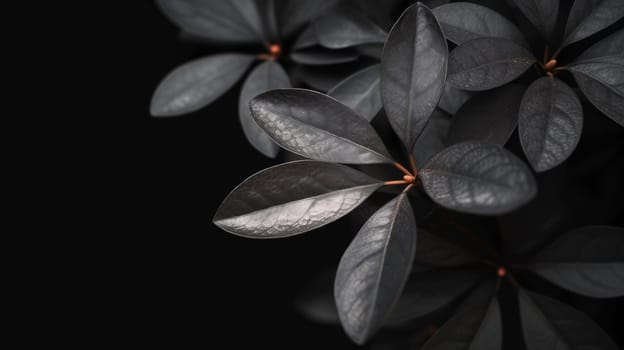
(413, 164)
(403, 170)
(395, 182)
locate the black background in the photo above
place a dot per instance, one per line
(108, 238)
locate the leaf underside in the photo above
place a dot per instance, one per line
(588, 17)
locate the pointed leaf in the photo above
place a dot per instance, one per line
(323, 57)
(486, 63)
(433, 250)
(588, 17)
(550, 123)
(292, 15)
(266, 76)
(293, 198)
(477, 324)
(433, 138)
(428, 290)
(541, 13)
(478, 178)
(490, 116)
(464, 21)
(599, 72)
(413, 70)
(452, 99)
(237, 21)
(197, 84)
(316, 126)
(588, 261)
(347, 28)
(360, 92)
(374, 268)
(549, 324)
(306, 39)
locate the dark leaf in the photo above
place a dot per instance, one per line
(435, 3)
(429, 290)
(464, 21)
(588, 261)
(413, 70)
(269, 14)
(452, 99)
(588, 17)
(599, 72)
(476, 325)
(197, 84)
(316, 126)
(380, 12)
(266, 76)
(490, 116)
(347, 28)
(236, 21)
(316, 299)
(549, 324)
(436, 251)
(478, 178)
(486, 63)
(371, 50)
(293, 198)
(321, 78)
(550, 123)
(323, 57)
(360, 92)
(293, 14)
(374, 268)
(541, 13)
(306, 39)
(433, 138)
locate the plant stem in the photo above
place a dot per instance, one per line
(413, 164)
(403, 170)
(395, 182)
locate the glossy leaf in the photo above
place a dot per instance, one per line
(542, 14)
(452, 99)
(371, 50)
(266, 76)
(374, 268)
(599, 72)
(316, 126)
(433, 250)
(360, 92)
(549, 324)
(292, 15)
(324, 57)
(428, 290)
(293, 198)
(550, 123)
(478, 178)
(433, 138)
(587, 261)
(464, 21)
(413, 70)
(487, 63)
(490, 116)
(347, 28)
(588, 17)
(236, 21)
(306, 39)
(476, 325)
(198, 83)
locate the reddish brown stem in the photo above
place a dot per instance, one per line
(413, 164)
(403, 170)
(395, 182)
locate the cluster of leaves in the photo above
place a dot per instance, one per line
(393, 272)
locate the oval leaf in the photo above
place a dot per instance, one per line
(497, 109)
(323, 57)
(347, 28)
(316, 126)
(550, 123)
(452, 99)
(542, 14)
(293, 198)
(588, 17)
(478, 178)
(464, 21)
(587, 261)
(429, 290)
(476, 325)
(599, 72)
(374, 268)
(549, 324)
(236, 21)
(197, 84)
(413, 70)
(433, 138)
(433, 250)
(360, 92)
(486, 63)
(292, 15)
(266, 76)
